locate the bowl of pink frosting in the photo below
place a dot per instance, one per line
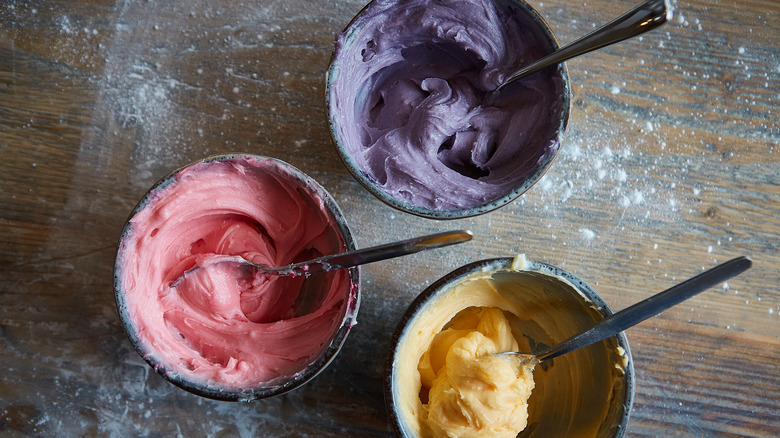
(444, 379)
(407, 100)
(218, 337)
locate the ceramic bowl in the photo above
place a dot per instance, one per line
(405, 98)
(223, 346)
(588, 392)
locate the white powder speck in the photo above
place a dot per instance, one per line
(637, 197)
(649, 126)
(65, 25)
(725, 287)
(615, 89)
(236, 90)
(587, 234)
(771, 310)
(709, 249)
(741, 50)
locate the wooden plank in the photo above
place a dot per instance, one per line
(669, 166)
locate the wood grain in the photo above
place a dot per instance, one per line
(669, 166)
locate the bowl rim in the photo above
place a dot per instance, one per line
(449, 280)
(430, 213)
(353, 296)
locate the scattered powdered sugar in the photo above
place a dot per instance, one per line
(139, 96)
(587, 233)
(585, 165)
(65, 25)
(639, 180)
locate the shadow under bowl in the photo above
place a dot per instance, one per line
(588, 392)
(222, 204)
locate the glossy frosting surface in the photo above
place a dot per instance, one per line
(220, 326)
(407, 100)
(470, 392)
(580, 394)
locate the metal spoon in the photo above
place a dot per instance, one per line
(640, 311)
(346, 259)
(645, 17)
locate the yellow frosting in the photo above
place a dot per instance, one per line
(446, 366)
(446, 383)
(470, 392)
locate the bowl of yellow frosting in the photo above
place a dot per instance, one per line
(443, 378)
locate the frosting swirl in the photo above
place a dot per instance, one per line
(407, 92)
(220, 327)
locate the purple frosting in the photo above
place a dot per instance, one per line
(406, 94)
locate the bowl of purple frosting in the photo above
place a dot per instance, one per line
(406, 95)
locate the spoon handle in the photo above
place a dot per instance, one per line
(381, 252)
(645, 17)
(652, 306)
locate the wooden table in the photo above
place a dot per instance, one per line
(670, 166)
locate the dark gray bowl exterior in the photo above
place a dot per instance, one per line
(443, 285)
(369, 185)
(218, 393)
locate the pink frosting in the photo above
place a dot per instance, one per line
(221, 327)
